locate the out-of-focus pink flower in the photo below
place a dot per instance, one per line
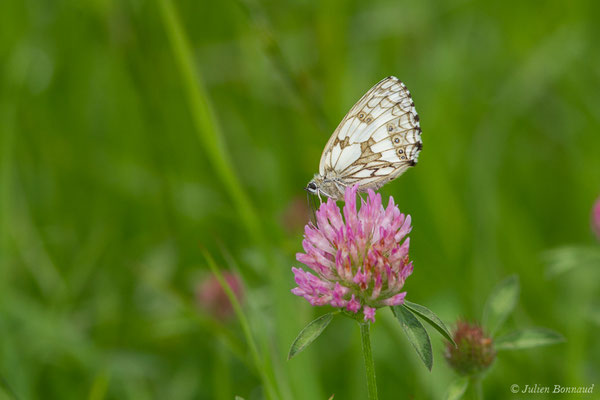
(213, 299)
(596, 218)
(295, 216)
(359, 261)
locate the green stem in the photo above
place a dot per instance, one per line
(478, 388)
(369, 364)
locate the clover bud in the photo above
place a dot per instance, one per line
(474, 352)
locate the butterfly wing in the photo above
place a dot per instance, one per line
(377, 140)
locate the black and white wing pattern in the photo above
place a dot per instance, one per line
(377, 140)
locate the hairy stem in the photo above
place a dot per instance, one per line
(369, 365)
(478, 389)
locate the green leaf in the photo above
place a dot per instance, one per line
(309, 334)
(457, 389)
(567, 258)
(430, 318)
(594, 316)
(528, 338)
(239, 398)
(416, 333)
(501, 303)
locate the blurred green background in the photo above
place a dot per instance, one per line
(138, 134)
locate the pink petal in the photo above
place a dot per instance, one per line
(395, 300)
(353, 305)
(369, 313)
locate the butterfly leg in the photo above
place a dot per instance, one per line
(363, 197)
(340, 187)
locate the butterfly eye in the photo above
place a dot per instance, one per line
(396, 140)
(400, 151)
(312, 187)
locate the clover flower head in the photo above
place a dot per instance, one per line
(360, 261)
(211, 297)
(474, 351)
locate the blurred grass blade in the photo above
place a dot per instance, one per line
(7, 115)
(270, 387)
(239, 398)
(501, 303)
(205, 121)
(309, 101)
(309, 333)
(6, 391)
(416, 334)
(567, 258)
(457, 388)
(528, 338)
(430, 318)
(99, 387)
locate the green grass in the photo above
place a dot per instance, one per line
(136, 135)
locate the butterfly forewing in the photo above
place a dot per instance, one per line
(377, 140)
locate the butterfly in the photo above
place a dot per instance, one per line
(376, 142)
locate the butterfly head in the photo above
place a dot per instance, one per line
(312, 187)
(318, 186)
(325, 186)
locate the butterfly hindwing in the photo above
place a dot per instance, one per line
(377, 140)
